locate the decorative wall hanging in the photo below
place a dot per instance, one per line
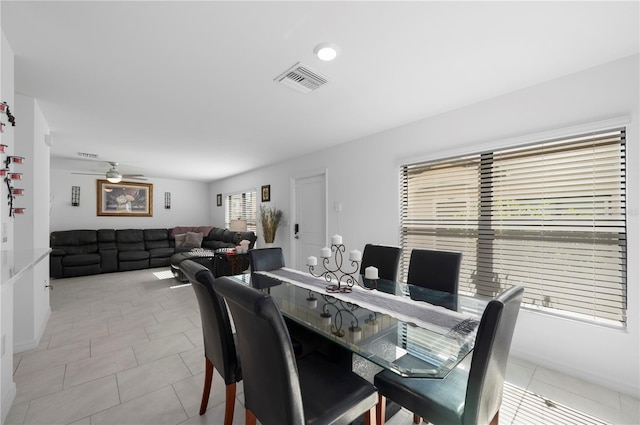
(75, 196)
(12, 192)
(266, 193)
(219, 199)
(167, 200)
(125, 199)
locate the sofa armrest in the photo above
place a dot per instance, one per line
(55, 262)
(56, 252)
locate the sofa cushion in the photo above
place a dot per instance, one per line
(156, 238)
(80, 260)
(133, 255)
(193, 240)
(75, 241)
(196, 229)
(130, 240)
(161, 252)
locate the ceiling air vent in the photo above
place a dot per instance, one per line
(302, 78)
(87, 155)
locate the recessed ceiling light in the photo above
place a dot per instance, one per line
(326, 51)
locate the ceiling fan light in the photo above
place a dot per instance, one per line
(113, 176)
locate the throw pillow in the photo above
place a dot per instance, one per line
(180, 240)
(193, 240)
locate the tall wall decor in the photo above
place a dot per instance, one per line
(10, 177)
(75, 196)
(167, 200)
(125, 199)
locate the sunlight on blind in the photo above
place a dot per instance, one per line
(550, 217)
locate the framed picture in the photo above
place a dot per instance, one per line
(219, 199)
(125, 199)
(266, 193)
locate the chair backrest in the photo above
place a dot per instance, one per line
(265, 259)
(219, 345)
(490, 355)
(385, 258)
(437, 270)
(271, 385)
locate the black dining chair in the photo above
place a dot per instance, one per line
(265, 259)
(468, 397)
(278, 389)
(385, 258)
(433, 269)
(219, 345)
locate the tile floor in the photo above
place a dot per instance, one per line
(126, 348)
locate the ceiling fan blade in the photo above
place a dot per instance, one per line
(134, 176)
(90, 174)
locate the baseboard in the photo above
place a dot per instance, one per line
(7, 401)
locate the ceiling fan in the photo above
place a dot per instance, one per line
(114, 176)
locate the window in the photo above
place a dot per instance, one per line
(241, 206)
(550, 217)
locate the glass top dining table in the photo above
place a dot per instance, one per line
(407, 329)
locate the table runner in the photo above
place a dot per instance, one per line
(421, 314)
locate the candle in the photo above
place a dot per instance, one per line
(356, 334)
(336, 240)
(312, 261)
(325, 319)
(355, 255)
(371, 272)
(312, 302)
(325, 252)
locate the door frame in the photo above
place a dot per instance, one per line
(321, 172)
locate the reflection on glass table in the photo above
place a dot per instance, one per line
(400, 327)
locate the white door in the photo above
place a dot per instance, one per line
(310, 218)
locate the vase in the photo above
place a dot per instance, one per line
(269, 245)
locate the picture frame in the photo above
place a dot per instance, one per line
(124, 199)
(266, 193)
(219, 199)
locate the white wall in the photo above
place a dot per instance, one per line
(190, 205)
(363, 176)
(31, 293)
(7, 386)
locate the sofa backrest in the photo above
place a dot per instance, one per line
(130, 240)
(106, 238)
(156, 238)
(74, 242)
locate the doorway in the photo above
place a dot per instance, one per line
(309, 219)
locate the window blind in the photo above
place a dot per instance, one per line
(242, 206)
(550, 217)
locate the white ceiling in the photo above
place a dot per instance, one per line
(185, 90)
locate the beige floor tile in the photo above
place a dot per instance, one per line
(149, 377)
(194, 359)
(215, 416)
(118, 341)
(75, 403)
(17, 413)
(578, 386)
(630, 410)
(85, 370)
(189, 392)
(40, 383)
(169, 328)
(163, 347)
(160, 407)
(195, 336)
(43, 359)
(128, 324)
(83, 334)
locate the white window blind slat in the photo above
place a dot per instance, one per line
(550, 217)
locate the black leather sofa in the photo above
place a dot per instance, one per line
(86, 252)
